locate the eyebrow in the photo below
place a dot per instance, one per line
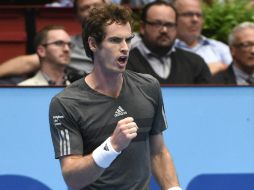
(131, 36)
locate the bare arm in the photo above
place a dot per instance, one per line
(20, 65)
(80, 171)
(216, 67)
(162, 163)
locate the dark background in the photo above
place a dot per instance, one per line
(25, 2)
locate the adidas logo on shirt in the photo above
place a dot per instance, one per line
(106, 147)
(120, 111)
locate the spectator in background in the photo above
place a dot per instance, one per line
(251, 3)
(189, 26)
(53, 46)
(60, 3)
(136, 3)
(67, 3)
(155, 54)
(241, 71)
(80, 63)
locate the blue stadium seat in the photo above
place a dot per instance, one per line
(222, 182)
(19, 182)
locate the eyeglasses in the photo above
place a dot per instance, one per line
(244, 45)
(191, 14)
(60, 44)
(160, 25)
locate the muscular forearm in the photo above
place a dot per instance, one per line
(20, 65)
(79, 171)
(164, 170)
(216, 67)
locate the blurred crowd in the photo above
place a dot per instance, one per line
(168, 45)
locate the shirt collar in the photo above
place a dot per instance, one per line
(202, 40)
(51, 82)
(240, 74)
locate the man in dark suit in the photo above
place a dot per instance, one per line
(155, 54)
(241, 71)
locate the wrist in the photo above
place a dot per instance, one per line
(175, 188)
(105, 154)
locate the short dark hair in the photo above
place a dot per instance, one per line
(41, 36)
(101, 17)
(75, 5)
(155, 3)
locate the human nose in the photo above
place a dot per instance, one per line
(67, 47)
(164, 28)
(125, 47)
(252, 49)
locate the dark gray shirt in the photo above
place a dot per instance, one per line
(81, 119)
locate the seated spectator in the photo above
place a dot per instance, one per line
(60, 3)
(189, 26)
(53, 46)
(66, 3)
(135, 3)
(80, 63)
(241, 71)
(155, 54)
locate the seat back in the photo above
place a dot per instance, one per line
(13, 32)
(222, 182)
(18, 182)
(58, 16)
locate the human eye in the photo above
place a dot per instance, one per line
(115, 40)
(128, 40)
(187, 14)
(59, 43)
(247, 44)
(71, 45)
(84, 8)
(199, 15)
(243, 45)
(158, 24)
(169, 24)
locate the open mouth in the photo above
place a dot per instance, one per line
(122, 59)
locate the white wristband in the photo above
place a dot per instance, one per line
(175, 188)
(105, 154)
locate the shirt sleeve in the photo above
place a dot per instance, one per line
(159, 121)
(225, 53)
(65, 133)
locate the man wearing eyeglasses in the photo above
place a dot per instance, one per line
(156, 55)
(80, 63)
(189, 27)
(53, 46)
(241, 71)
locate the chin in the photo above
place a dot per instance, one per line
(120, 69)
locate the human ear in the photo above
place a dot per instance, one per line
(92, 43)
(41, 51)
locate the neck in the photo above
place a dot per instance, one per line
(249, 70)
(190, 42)
(54, 72)
(106, 83)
